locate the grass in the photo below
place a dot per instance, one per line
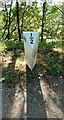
(11, 45)
(53, 59)
(2, 47)
(10, 78)
(14, 45)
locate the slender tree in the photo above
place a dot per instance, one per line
(6, 19)
(17, 8)
(9, 21)
(43, 20)
(25, 8)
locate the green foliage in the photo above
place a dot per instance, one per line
(14, 45)
(3, 47)
(11, 45)
(53, 24)
(10, 78)
(30, 18)
(59, 44)
(54, 63)
(53, 60)
(46, 46)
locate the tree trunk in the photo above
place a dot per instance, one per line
(19, 33)
(9, 20)
(8, 32)
(23, 19)
(43, 20)
(6, 20)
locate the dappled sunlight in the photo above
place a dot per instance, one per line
(0, 59)
(6, 60)
(0, 48)
(58, 50)
(35, 102)
(50, 40)
(18, 103)
(25, 105)
(52, 101)
(41, 59)
(20, 64)
(35, 93)
(44, 89)
(51, 107)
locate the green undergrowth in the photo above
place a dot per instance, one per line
(46, 46)
(3, 47)
(14, 45)
(53, 59)
(10, 45)
(10, 78)
(54, 63)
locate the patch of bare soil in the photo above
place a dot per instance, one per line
(36, 94)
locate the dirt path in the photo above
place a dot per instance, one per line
(36, 94)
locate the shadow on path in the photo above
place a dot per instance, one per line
(14, 95)
(43, 92)
(35, 101)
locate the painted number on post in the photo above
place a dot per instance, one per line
(31, 38)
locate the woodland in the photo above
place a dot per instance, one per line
(46, 79)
